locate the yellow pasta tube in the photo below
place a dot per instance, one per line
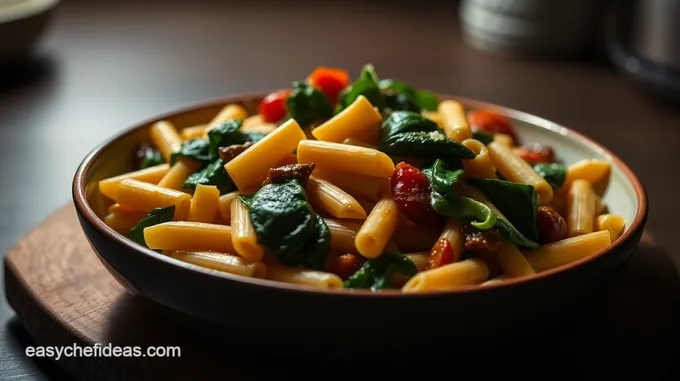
(580, 208)
(345, 158)
(596, 172)
(225, 205)
(421, 260)
(612, 223)
(455, 122)
(343, 234)
(296, 275)
(252, 121)
(366, 187)
(512, 262)
(515, 169)
(204, 204)
(505, 140)
(360, 120)
(481, 166)
(122, 221)
(435, 117)
(222, 262)
(229, 112)
(193, 132)
(148, 175)
(376, 231)
(189, 236)
(265, 128)
(449, 277)
(333, 200)
(178, 173)
(356, 142)
(568, 250)
(243, 236)
(498, 279)
(453, 232)
(250, 168)
(145, 197)
(166, 138)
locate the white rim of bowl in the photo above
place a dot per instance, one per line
(25, 9)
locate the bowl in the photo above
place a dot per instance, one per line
(248, 311)
(22, 23)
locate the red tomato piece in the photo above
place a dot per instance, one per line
(441, 254)
(330, 81)
(491, 122)
(536, 153)
(346, 265)
(411, 191)
(273, 106)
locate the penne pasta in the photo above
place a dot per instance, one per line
(453, 232)
(360, 120)
(243, 236)
(178, 174)
(151, 175)
(568, 250)
(421, 260)
(204, 204)
(265, 128)
(449, 277)
(365, 187)
(343, 234)
(122, 221)
(333, 200)
(229, 112)
(511, 261)
(455, 122)
(612, 223)
(481, 166)
(498, 279)
(250, 168)
(145, 197)
(515, 169)
(165, 137)
(435, 117)
(355, 142)
(189, 236)
(304, 277)
(252, 121)
(596, 172)
(193, 132)
(376, 231)
(225, 205)
(503, 139)
(345, 158)
(222, 262)
(581, 202)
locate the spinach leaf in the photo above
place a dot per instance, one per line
(447, 202)
(213, 174)
(555, 174)
(410, 134)
(283, 220)
(307, 104)
(225, 134)
(151, 157)
(416, 100)
(366, 85)
(253, 136)
(512, 234)
(157, 216)
(318, 247)
(482, 136)
(376, 274)
(246, 199)
(196, 149)
(517, 202)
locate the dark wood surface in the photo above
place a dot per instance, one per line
(105, 65)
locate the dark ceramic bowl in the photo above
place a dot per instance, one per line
(250, 311)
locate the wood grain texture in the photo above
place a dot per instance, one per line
(63, 295)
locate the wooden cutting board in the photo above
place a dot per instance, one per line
(63, 295)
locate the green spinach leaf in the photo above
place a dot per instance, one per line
(225, 134)
(366, 85)
(246, 199)
(318, 247)
(213, 174)
(307, 104)
(195, 149)
(151, 157)
(376, 274)
(406, 98)
(157, 216)
(554, 173)
(482, 136)
(517, 202)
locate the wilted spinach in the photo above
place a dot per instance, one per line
(213, 174)
(366, 85)
(157, 216)
(482, 136)
(376, 274)
(307, 104)
(151, 157)
(402, 97)
(195, 149)
(554, 173)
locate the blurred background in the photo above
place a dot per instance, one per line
(75, 72)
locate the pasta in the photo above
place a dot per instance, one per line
(306, 192)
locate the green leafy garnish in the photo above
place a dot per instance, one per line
(213, 174)
(410, 134)
(482, 136)
(366, 85)
(287, 226)
(307, 104)
(195, 149)
(376, 274)
(157, 216)
(151, 158)
(402, 97)
(555, 174)
(447, 202)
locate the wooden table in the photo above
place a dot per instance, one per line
(108, 64)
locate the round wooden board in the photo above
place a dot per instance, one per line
(63, 295)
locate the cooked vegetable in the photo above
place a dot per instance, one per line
(554, 173)
(273, 106)
(345, 265)
(307, 104)
(441, 254)
(366, 85)
(535, 153)
(376, 274)
(330, 81)
(482, 136)
(213, 174)
(157, 216)
(551, 226)
(402, 97)
(147, 156)
(195, 149)
(411, 191)
(491, 122)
